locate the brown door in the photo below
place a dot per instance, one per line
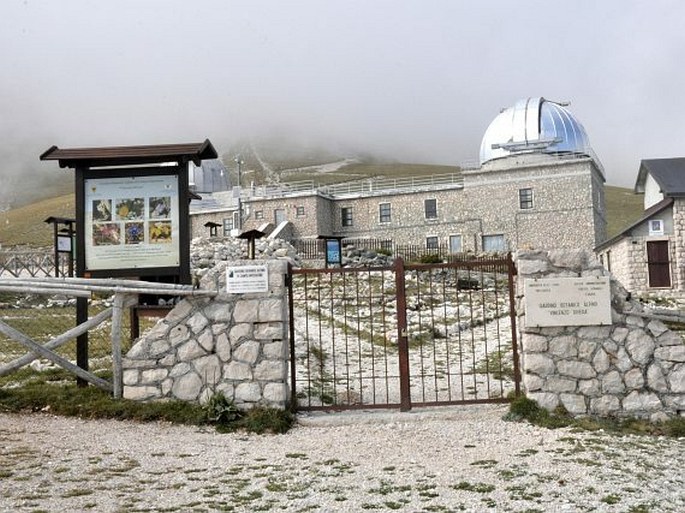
(658, 264)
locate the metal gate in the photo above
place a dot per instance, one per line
(403, 336)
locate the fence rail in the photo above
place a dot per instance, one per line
(31, 263)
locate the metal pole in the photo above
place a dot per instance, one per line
(238, 160)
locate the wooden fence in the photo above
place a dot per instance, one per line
(125, 295)
(31, 263)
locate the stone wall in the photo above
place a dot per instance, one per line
(633, 368)
(236, 344)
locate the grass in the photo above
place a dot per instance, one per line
(522, 408)
(623, 207)
(40, 393)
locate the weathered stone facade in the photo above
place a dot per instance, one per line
(567, 209)
(633, 368)
(233, 344)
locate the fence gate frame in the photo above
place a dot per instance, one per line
(399, 268)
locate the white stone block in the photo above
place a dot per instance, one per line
(209, 369)
(676, 379)
(246, 310)
(612, 383)
(270, 331)
(270, 370)
(634, 379)
(223, 347)
(238, 371)
(271, 310)
(144, 393)
(564, 346)
(655, 378)
(545, 400)
(179, 369)
(178, 335)
(641, 402)
(275, 350)
(573, 369)
(153, 376)
(180, 311)
(206, 340)
(240, 332)
(276, 394)
(532, 383)
(589, 387)
(640, 346)
(130, 377)
(574, 403)
(187, 387)
(197, 322)
(248, 393)
(247, 352)
(558, 384)
(158, 348)
(219, 312)
(605, 406)
(539, 364)
(670, 353)
(190, 350)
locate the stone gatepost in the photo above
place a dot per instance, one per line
(633, 366)
(233, 343)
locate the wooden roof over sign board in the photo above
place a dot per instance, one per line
(131, 155)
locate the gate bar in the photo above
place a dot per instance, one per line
(402, 336)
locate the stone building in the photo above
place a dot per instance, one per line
(649, 255)
(538, 185)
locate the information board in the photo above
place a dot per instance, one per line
(567, 301)
(131, 222)
(247, 278)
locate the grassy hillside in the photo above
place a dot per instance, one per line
(25, 226)
(623, 208)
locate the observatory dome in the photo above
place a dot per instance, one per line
(534, 125)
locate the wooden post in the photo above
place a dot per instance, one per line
(120, 302)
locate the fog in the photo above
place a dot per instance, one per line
(417, 81)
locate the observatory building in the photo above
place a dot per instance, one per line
(538, 185)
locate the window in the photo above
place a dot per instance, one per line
(432, 242)
(656, 227)
(228, 226)
(299, 212)
(430, 207)
(236, 220)
(384, 215)
(259, 214)
(455, 244)
(346, 216)
(493, 243)
(525, 199)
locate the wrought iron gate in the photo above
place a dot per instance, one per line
(403, 336)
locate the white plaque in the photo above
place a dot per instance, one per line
(64, 243)
(247, 278)
(567, 301)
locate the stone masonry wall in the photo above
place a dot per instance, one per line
(633, 368)
(232, 343)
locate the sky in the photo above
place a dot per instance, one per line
(414, 80)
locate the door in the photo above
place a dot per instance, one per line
(279, 216)
(658, 263)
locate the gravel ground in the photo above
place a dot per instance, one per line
(450, 459)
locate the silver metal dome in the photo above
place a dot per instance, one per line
(534, 125)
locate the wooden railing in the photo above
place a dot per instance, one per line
(125, 295)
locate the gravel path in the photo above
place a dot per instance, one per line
(452, 459)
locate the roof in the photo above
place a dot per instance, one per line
(669, 174)
(654, 209)
(131, 155)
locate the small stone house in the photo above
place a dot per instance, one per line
(648, 257)
(538, 185)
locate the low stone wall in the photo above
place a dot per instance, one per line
(633, 368)
(236, 344)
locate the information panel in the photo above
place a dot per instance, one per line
(247, 278)
(567, 301)
(131, 222)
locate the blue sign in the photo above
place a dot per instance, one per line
(333, 251)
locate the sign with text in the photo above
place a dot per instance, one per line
(247, 278)
(131, 222)
(567, 301)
